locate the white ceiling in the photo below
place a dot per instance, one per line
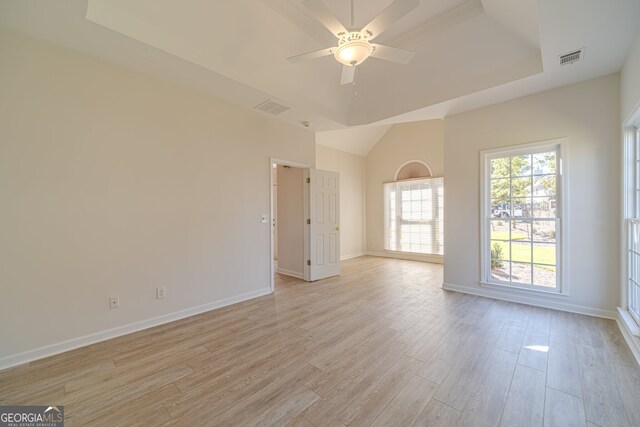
(356, 140)
(469, 53)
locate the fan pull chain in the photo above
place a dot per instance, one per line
(353, 83)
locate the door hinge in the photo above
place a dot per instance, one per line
(308, 262)
(308, 180)
(308, 221)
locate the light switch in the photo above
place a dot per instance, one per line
(265, 219)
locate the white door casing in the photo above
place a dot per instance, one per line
(322, 231)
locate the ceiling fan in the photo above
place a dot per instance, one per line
(354, 45)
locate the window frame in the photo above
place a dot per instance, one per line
(559, 145)
(399, 221)
(631, 221)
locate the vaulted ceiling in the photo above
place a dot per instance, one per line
(468, 53)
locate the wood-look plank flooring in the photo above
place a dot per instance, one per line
(380, 345)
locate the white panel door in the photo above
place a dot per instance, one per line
(322, 233)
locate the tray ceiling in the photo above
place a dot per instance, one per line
(469, 53)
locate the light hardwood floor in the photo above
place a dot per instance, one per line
(380, 345)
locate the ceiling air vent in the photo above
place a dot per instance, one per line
(272, 107)
(571, 57)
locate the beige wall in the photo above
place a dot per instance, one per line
(352, 220)
(630, 81)
(588, 114)
(114, 183)
(290, 218)
(403, 142)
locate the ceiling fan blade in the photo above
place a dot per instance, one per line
(348, 74)
(323, 15)
(391, 14)
(392, 54)
(310, 55)
(296, 14)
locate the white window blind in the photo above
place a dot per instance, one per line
(414, 216)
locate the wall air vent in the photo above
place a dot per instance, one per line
(272, 107)
(571, 57)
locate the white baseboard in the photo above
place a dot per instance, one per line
(437, 259)
(630, 332)
(349, 256)
(530, 300)
(290, 273)
(61, 347)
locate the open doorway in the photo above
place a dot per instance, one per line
(305, 226)
(287, 219)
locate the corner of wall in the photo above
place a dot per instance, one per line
(629, 82)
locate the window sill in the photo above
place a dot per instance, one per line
(414, 256)
(524, 291)
(629, 322)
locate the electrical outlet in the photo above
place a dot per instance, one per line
(114, 302)
(161, 292)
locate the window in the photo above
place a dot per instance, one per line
(414, 211)
(632, 184)
(522, 217)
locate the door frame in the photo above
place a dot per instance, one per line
(283, 162)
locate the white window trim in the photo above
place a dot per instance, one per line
(561, 144)
(631, 132)
(395, 176)
(423, 255)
